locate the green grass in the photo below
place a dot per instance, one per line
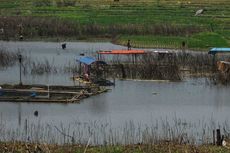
(105, 12)
(135, 15)
(140, 12)
(149, 41)
(197, 41)
(204, 40)
(7, 5)
(159, 148)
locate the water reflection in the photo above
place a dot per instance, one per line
(19, 114)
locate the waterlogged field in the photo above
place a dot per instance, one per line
(134, 111)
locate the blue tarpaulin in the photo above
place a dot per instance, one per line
(89, 60)
(219, 50)
(86, 60)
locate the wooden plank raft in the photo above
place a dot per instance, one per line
(52, 94)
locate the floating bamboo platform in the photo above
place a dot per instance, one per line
(48, 94)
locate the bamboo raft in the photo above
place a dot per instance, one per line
(47, 94)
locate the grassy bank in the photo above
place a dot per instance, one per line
(159, 148)
(198, 41)
(162, 23)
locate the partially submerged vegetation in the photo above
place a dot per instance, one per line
(7, 59)
(175, 135)
(152, 66)
(168, 66)
(34, 67)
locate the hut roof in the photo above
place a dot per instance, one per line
(219, 50)
(86, 60)
(89, 60)
(127, 52)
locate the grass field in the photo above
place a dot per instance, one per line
(165, 22)
(197, 41)
(160, 148)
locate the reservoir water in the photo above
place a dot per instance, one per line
(189, 106)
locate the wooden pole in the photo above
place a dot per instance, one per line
(213, 60)
(80, 69)
(218, 137)
(114, 80)
(20, 68)
(214, 137)
(123, 71)
(135, 58)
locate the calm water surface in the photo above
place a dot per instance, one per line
(193, 100)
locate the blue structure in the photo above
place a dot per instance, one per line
(89, 60)
(33, 94)
(88, 64)
(86, 60)
(213, 51)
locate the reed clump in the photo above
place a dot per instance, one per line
(40, 68)
(150, 72)
(201, 63)
(171, 66)
(7, 58)
(94, 133)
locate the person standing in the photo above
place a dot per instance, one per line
(129, 45)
